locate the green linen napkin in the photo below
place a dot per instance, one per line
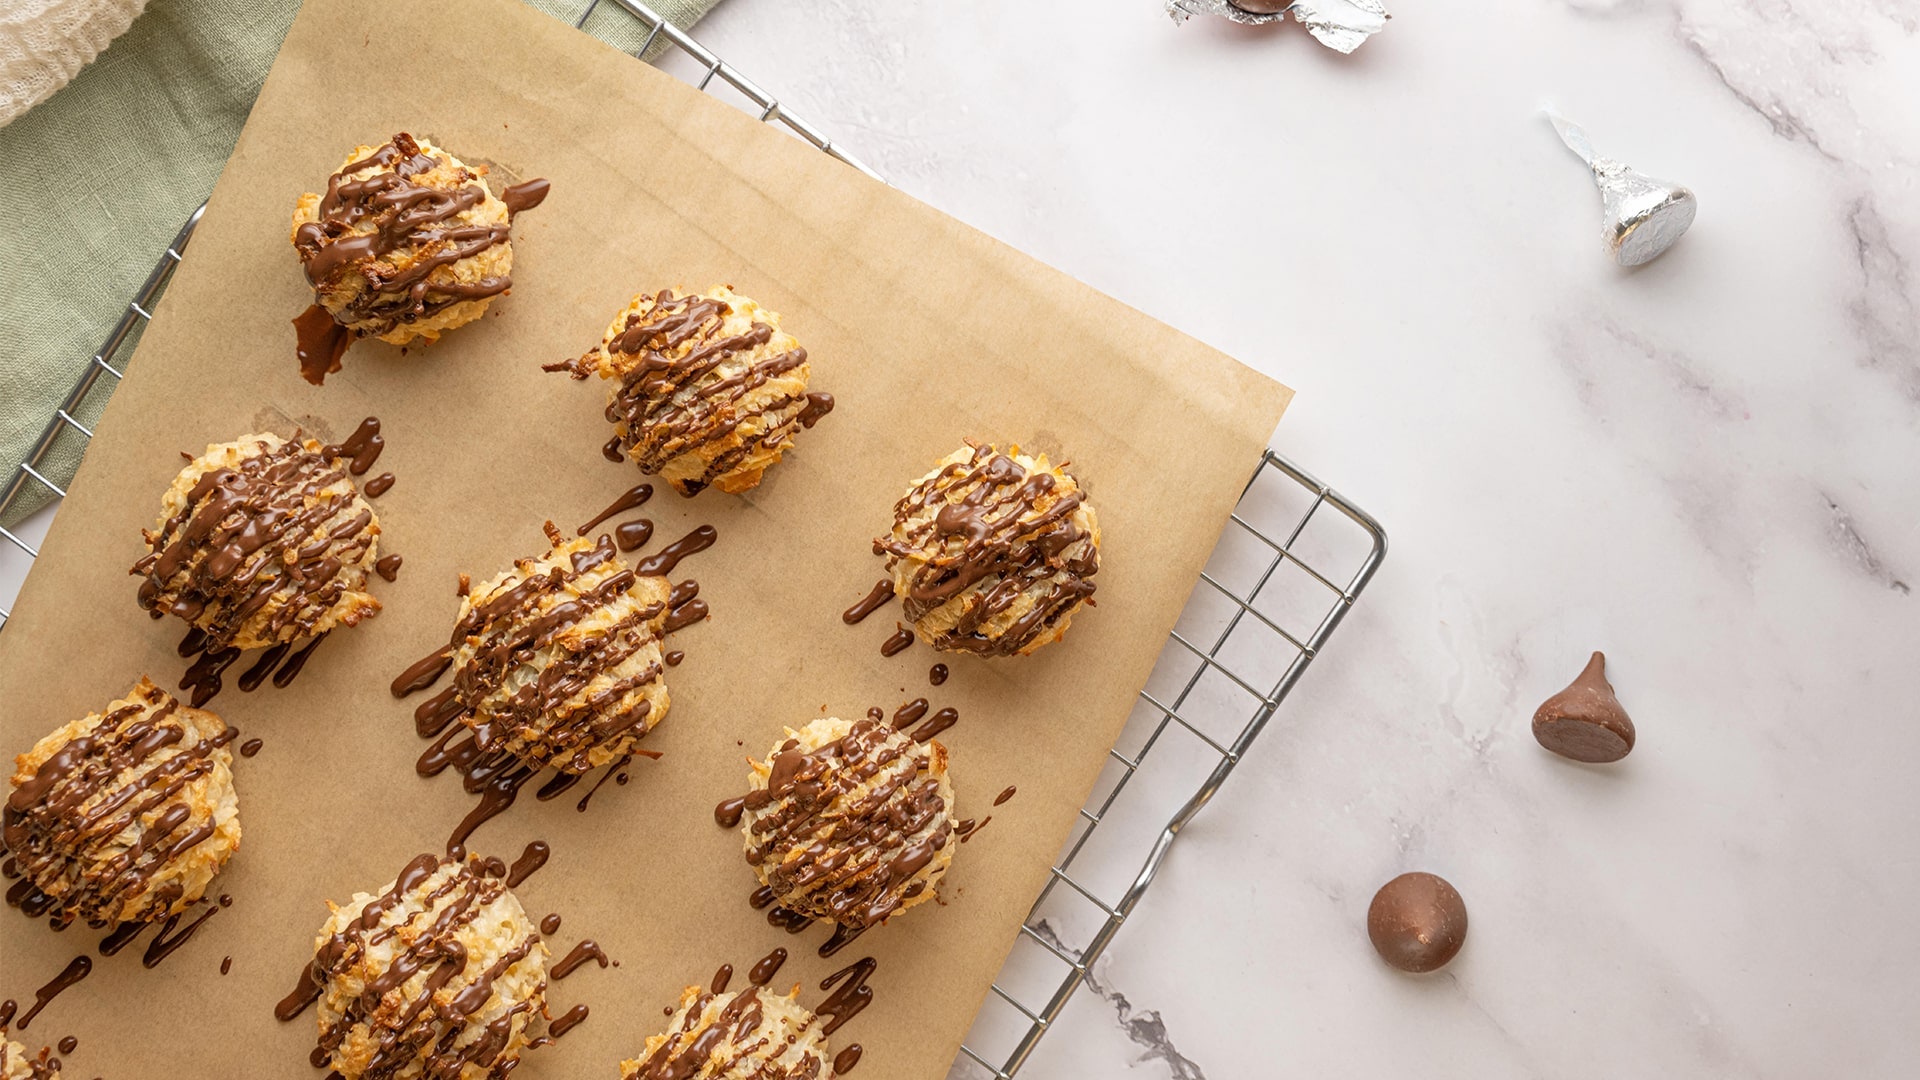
(95, 181)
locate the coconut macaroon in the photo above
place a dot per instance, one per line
(126, 815)
(406, 243)
(851, 822)
(262, 541)
(991, 553)
(17, 1064)
(440, 974)
(707, 389)
(558, 661)
(751, 1035)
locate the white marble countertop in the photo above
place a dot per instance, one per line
(1706, 468)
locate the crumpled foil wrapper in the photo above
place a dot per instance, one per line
(1640, 216)
(1338, 24)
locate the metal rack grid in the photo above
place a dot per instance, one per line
(1235, 625)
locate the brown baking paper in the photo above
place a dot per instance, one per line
(926, 331)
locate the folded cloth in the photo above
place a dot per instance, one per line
(97, 178)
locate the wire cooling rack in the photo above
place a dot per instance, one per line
(1290, 566)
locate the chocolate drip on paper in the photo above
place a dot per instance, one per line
(77, 968)
(853, 995)
(901, 640)
(766, 968)
(980, 522)
(587, 951)
(567, 1021)
(533, 858)
(632, 498)
(872, 602)
(130, 773)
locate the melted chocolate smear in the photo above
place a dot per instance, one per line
(163, 946)
(612, 768)
(667, 558)
(634, 496)
(578, 956)
(854, 995)
(10, 868)
(673, 657)
(633, 535)
(936, 724)
(203, 676)
(841, 936)
(194, 642)
(522, 197)
(388, 567)
(533, 858)
(767, 967)
(251, 678)
(874, 601)
(876, 714)
(319, 342)
(69, 1044)
(558, 785)
(611, 451)
(1005, 795)
(7, 1009)
(122, 936)
(551, 924)
(566, 1021)
(226, 964)
(727, 814)
(760, 898)
(305, 992)
(77, 968)
(423, 672)
(361, 449)
(817, 406)
(938, 675)
(845, 1060)
(290, 670)
(379, 486)
(685, 615)
(251, 747)
(967, 833)
(787, 919)
(898, 643)
(721, 978)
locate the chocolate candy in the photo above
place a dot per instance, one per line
(1417, 922)
(1640, 216)
(1585, 721)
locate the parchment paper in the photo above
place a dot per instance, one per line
(927, 333)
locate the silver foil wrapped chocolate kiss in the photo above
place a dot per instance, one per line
(1341, 25)
(1640, 217)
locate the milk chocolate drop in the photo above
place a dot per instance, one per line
(1417, 922)
(1585, 721)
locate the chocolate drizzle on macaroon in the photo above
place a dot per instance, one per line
(850, 822)
(708, 391)
(992, 552)
(395, 242)
(125, 816)
(438, 975)
(263, 541)
(558, 661)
